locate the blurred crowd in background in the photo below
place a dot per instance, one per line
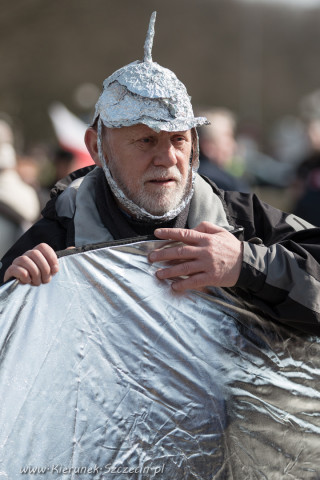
(230, 155)
(253, 66)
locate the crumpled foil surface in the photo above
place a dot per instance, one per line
(105, 368)
(145, 92)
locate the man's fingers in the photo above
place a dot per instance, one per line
(177, 253)
(50, 255)
(26, 263)
(209, 254)
(21, 274)
(186, 235)
(191, 237)
(42, 265)
(36, 266)
(194, 282)
(207, 227)
(180, 270)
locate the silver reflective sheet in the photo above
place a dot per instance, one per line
(107, 369)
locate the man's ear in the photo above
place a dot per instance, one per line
(90, 138)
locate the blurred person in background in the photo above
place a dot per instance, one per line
(63, 163)
(19, 204)
(30, 170)
(218, 151)
(43, 169)
(306, 184)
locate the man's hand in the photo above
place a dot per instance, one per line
(36, 266)
(209, 256)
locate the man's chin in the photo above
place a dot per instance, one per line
(159, 205)
(159, 209)
(156, 211)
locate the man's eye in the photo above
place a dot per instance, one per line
(179, 139)
(146, 140)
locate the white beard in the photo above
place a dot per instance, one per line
(143, 198)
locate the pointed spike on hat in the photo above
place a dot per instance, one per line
(145, 92)
(149, 39)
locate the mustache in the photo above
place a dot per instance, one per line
(162, 173)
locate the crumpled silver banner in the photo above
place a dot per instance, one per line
(105, 373)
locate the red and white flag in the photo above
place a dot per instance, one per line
(70, 132)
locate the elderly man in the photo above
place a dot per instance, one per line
(144, 142)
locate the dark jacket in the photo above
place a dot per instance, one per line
(280, 273)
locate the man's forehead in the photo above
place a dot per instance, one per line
(141, 129)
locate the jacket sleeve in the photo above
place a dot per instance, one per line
(280, 272)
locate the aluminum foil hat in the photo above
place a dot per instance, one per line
(144, 92)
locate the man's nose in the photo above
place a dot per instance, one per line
(165, 154)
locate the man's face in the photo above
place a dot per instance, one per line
(152, 169)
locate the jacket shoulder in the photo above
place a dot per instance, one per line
(49, 210)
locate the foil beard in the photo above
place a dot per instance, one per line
(135, 210)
